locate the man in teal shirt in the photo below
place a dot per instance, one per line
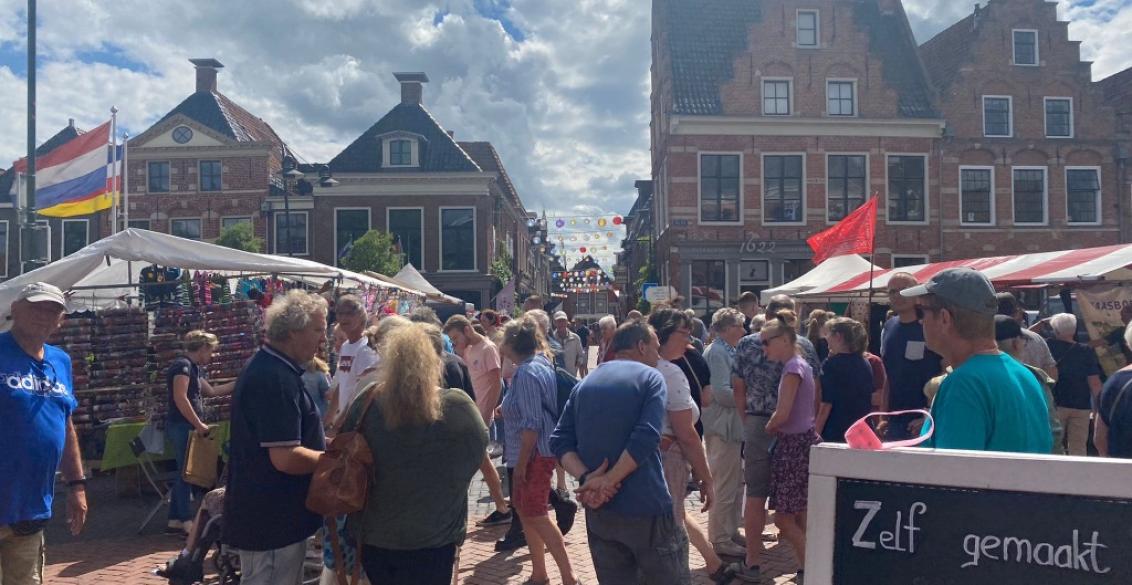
(990, 402)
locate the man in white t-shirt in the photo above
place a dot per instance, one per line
(354, 360)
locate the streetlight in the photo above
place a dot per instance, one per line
(325, 178)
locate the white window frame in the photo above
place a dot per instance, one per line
(993, 197)
(369, 220)
(1009, 119)
(415, 147)
(798, 29)
(239, 218)
(856, 103)
(196, 219)
(1037, 48)
(1045, 201)
(923, 259)
(1045, 117)
(440, 238)
(790, 99)
(200, 174)
(699, 187)
(1100, 192)
(868, 181)
(927, 188)
(390, 230)
(7, 248)
(275, 232)
(63, 237)
(762, 198)
(169, 164)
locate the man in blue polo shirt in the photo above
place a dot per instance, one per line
(608, 436)
(36, 402)
(277, 440)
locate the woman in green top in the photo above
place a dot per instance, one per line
(427, 443)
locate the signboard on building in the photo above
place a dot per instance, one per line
(941, 517)
(660, 294)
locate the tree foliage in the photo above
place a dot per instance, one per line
(240, 236)
(375, 252)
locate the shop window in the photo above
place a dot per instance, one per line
(709, 285)
(458, 239)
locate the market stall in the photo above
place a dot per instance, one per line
(835, 270)
(410, 277)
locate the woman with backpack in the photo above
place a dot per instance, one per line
(529, 417)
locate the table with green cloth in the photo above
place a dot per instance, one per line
(117, 452)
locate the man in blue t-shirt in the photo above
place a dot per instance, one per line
(36, 402)
(908, 363)
(608, 437)
(989, 402)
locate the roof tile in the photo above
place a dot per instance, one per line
(438, 151)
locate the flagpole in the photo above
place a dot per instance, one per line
(872, 262)
(125, 180)
(114, 169)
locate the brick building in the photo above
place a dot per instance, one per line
(637, 247)
(1117, 91)
(451, 205)
(772, 119)
(205, 165)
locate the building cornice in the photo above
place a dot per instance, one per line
(684, 125)
(364, 184)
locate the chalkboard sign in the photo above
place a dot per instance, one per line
(893, 533)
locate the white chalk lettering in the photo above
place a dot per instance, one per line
(1078, 556)
(873, 508)
(902, 538)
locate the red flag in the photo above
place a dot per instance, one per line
(852, 235)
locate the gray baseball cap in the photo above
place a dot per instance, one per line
(39, 292)
(963, 287)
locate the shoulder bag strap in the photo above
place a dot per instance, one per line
(371, 391)
(693, 378)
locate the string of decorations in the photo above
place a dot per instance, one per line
(600, 221)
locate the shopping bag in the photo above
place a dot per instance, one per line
(200, 461)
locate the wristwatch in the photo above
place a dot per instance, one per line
(77, 482)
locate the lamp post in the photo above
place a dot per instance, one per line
(265, 213)
(290, 173)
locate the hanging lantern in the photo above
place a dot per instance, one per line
(617, 220)
(582, 249)
(587, 221)
(609, 235)
(601, 222)
(560, 224)
(573, 222)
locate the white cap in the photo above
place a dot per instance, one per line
(561, 315)
(40, 292)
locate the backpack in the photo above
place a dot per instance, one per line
(565, 385)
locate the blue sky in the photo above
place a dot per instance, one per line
(560, 88)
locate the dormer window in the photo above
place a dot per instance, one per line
(400, 150)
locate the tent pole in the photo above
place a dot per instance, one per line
(872, 262)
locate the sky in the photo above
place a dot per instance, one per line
(560, 88)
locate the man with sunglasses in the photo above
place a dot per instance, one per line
(36, 402)
(908, 362)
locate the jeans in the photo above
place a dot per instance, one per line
(179, 506)
(281, 566)
(637, 549)
(426, 566)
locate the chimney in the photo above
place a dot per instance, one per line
(70, 122)
(206, 73)
(412, 87)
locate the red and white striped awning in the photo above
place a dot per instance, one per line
(1108, 263)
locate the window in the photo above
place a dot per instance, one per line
(76, 235)
(905, 260)
(349, 225)
(997, 120)
(227, 222)
(407, 225)
(4, 248)
(845, 185)
(794, 269)
(1059, 117)
(841, 99)
(709, 285)
(907, 190)
(776, 97)
(782, 189)
(47, 229)
(458, 239)
(158, 177)
(185, 228)
(719, 187)
(400, 153)
(1025, 47)
(294, 236)
(210, 175)
(976, 196)
(1083, 188)
(808, 28)
(1030, 195)
(139, 224)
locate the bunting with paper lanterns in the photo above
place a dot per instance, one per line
(576, 237)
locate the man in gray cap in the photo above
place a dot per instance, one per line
(36, 402)
(573, 355)
(990, 402)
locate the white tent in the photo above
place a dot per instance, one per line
(834, 270)
(113, 262)
(412, 278)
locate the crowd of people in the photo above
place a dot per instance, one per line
(726, 410)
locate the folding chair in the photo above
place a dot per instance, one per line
(157, 479)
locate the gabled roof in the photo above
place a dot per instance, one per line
(60, 137)
(705, 36)
(487, 158)
(945, 53)
(438, 151)
(217, 112)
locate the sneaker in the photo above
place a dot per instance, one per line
(725, 573)
(740, 540)
(496, 518)
(494, 450)
(800, 578)
(510, 542)
(175, 527)
(747, 574)
(729, 549)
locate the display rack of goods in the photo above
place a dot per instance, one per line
(76, 337)
(120, 352)
(102, 404)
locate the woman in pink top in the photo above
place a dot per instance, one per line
(792, 424)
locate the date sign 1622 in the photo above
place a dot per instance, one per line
(756, 246)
